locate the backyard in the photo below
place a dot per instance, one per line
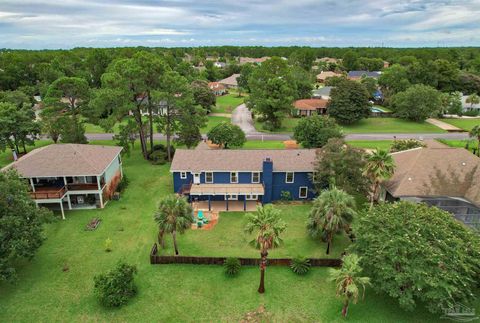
(370, 125)
(57, 285)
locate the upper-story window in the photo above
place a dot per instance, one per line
(234, 177)
(256, 177)
(208, 177)
(289, 177)
(183, 175)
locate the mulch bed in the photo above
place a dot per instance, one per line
(212, 221)
(93, 224)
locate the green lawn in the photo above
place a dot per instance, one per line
(371, 144)
(226, 103)
(370, 125)
(465, 124)
(212, 122)
(174, 293)
(266, 144)
(228, 239)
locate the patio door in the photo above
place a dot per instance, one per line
(196, 178)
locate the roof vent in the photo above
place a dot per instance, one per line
(464, 163)
(410, 179)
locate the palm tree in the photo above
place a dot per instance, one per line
(268, 225)
(332, 211)
(348, 282)
(475, 133)
(380, 166)
(473, 99)
(174, 215)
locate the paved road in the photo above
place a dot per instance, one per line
(353, 136)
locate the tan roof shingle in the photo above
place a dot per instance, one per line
(243, 160)
(436, 171)
(65, 160)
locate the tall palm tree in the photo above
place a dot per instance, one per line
(475, 133)
(268, 225)
(174, 215)
(348, 282)
(380, 166)
(332, 211)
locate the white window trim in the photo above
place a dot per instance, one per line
(208, 182)
(232, 197)
(300, 192)
(236, 175)
(251, 197)
(183, 175)
(293, 177)
(255, 182)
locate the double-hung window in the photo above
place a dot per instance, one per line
(303, 192)
(183, 175)
(256, 177)
(289, 177)
(208, 177)
(233, 177)
(251, 197)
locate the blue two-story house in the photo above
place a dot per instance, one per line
(243, 176)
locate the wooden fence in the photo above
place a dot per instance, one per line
(156, 259)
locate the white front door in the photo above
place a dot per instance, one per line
(196, 178)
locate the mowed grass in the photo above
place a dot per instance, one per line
(228, 238)
(465, 124)
(228, 102)
(371, 144)
(212, 122)
(370, 125)
(170, 293)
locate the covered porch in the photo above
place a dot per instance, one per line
(226, 197)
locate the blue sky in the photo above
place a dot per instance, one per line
(35, 24)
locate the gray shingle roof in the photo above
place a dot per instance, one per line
(243, 160)
(65, 160)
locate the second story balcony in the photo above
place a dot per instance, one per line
(47, 193)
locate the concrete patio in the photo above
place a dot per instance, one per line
(221, 206)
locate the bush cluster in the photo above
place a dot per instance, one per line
(116, 287)
(159, 154)
(231, 266)
(300, 265)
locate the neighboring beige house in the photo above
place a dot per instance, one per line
(217, 88)
(438, 175)
(324, 75)
(71, 176)
(329, 60)
(246, 60)
(309, 107)
(230, 82)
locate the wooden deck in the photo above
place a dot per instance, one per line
(46, 193)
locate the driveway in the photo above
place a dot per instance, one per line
(242, 117)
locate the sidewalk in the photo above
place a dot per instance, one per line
(444, 126)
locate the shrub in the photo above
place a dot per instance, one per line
(123, 184)
(399, 145)
(300, 265)
(108, 245)
(116, 287)
(231, 266)
(158, 157)
(471, 113)
(285, 196)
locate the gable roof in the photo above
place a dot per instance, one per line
(310, 104)
(359, 74)
(231, 80)
(215, 86)
(284, 160)
(436, 170)
(323, 75)
(65, 160)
